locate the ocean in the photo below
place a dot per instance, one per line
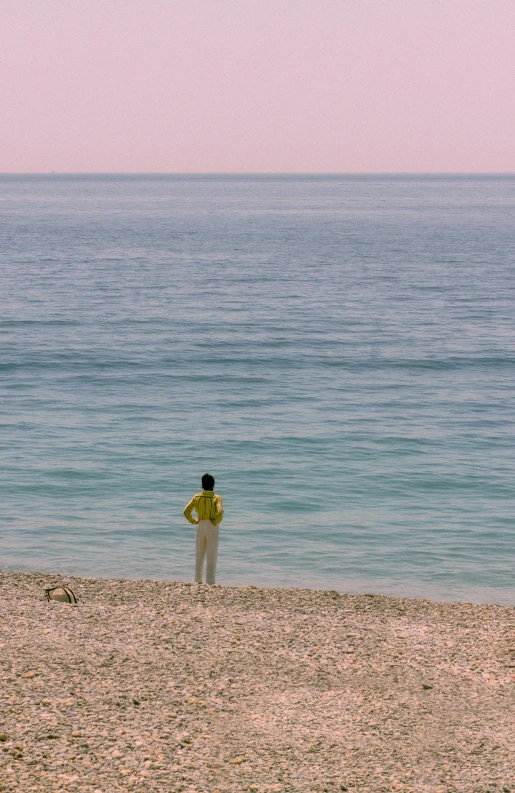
(337, 350)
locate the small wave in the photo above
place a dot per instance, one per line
(15, 323)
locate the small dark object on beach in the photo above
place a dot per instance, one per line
(426, 686)
(61, 594)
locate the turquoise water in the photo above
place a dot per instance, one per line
(338, 351)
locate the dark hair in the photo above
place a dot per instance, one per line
(208, 482)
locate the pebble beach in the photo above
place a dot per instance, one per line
(165, 686)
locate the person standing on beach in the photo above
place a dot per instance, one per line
(208, 506)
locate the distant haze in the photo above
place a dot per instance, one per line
(257, 86)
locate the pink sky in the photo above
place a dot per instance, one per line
(257, 85)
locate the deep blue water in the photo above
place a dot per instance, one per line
(339, 351)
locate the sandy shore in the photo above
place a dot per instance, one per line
(148, 686)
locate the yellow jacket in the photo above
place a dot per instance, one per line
(207, 505)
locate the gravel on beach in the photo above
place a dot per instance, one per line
(161, 686)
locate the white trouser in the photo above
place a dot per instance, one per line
(206, 544)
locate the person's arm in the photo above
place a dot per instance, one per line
(219, 511)
(189, 509)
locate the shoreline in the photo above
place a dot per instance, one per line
(172, 686)
(476, 596)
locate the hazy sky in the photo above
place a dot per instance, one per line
(257, 85)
